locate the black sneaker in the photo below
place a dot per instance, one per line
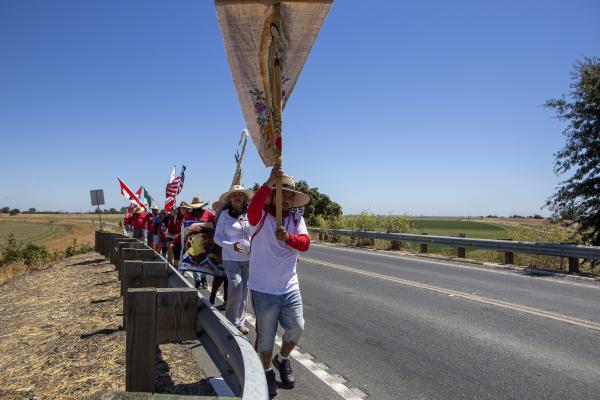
(285, 372)
(271, 382)
(204, 283)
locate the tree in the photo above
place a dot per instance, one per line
(15, 211)
(5, 210)
(320, 204)
(32, 210)
(578, 196)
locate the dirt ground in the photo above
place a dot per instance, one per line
(61, 336)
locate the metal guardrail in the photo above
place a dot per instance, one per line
(228, 348)
(571, 251)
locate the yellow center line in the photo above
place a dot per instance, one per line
(499, 303)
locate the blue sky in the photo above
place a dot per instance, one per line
(425, 108)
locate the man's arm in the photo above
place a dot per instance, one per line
(300, 242)
(255, 208)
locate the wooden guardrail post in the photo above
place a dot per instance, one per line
(573, 264)
(509, 256)
(461, 251)
(423, 246)
(114, 251)
(142, 274)
(144, 254)
(97, 241)
(141, 340)
(177, 314)
(155, 316)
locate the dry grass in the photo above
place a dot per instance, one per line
(60, 336)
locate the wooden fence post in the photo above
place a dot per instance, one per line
(114, 251)
(141, 340)
(145, 254)
(177, 314)
(156, 316)
(423, 246)
(509, 256)
(573, 264)
(97, 241)
(142, 274)
(462, 252)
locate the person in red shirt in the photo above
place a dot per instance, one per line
(138, 220)
(150, 225)
(272, 277)
(174, 229)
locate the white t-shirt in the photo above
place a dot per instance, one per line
(272, 261)
(230, 231)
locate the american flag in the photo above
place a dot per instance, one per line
(175, 186)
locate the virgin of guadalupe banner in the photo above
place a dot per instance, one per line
(267, 43)
(199, 253)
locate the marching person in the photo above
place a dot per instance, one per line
(162, 232)
(138, 221)
(198, 212)
(232, 234)
(273, 279)
(174, 229)
(151, 227)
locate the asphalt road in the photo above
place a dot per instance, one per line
(411, 328)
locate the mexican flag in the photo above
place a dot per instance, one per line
(146, 198)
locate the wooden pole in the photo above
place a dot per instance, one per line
(141, 340)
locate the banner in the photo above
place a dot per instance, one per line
(267, 43)
(199, 253)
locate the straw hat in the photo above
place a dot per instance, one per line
(138, 209)
(184, 205)
(289, 185)
(197, 202)
(235, 189)
(216, 205)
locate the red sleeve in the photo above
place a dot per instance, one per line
(210, 216)
(257, 203)
(300, 242)
(127, 220)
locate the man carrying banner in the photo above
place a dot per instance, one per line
(273, 279)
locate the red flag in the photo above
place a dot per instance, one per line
(127, 193)
(169, 203)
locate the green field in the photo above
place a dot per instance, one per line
(30, 232)
(473, 229)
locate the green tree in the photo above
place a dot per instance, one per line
(320, 204)
(5, 210)
(32, 210)
(578, 196)
(15, 211)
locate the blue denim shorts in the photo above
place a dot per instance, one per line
(271, 309)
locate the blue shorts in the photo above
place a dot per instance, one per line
(285, 309)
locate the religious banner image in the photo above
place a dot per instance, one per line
(199, 253)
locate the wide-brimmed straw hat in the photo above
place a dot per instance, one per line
(183, 204)
(289, 185)
(235, 189)
(216, 205)
(197, 202)
(138, 209)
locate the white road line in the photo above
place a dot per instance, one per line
(336, 382)
(451, 263)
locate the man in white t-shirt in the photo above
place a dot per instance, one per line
(273, 279)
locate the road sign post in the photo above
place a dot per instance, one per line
(98, 200)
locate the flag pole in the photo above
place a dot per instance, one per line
(276, 95)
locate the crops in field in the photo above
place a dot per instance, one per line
(30, 232)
